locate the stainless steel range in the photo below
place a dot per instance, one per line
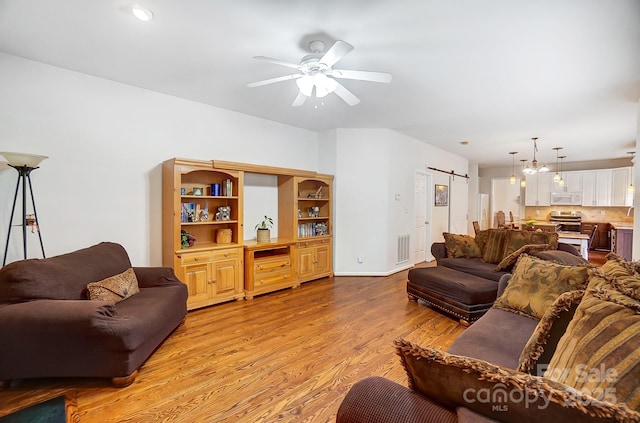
(569, 221)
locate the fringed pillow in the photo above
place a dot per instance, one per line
(543, 341)
(599, 354)
(461, 246)
(535, 284)
(499, 393)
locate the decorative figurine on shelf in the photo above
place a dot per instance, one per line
(299, 213)
(187, 240)
(204, 215)
(223, 213)
(313, 211)
(321, 228)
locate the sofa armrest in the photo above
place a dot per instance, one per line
(438, 250)
(376, 399)
(149, 277)
(32, 321)
(502, 283)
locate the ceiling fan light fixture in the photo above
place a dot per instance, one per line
(305, 85)
(142, 13)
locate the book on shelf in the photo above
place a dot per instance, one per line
(227, 188)
(312, 229)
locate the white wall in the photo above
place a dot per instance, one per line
(106, 142)
(373, 165)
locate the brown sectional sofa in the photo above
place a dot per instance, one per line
(502, 354)
(50, 329)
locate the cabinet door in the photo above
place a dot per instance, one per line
(620, 194)
(305, 261)
(603, 187)
(531, 191)
(322, 259)
(226, 276)
(197, 279)
(545, 181)
(573, 182)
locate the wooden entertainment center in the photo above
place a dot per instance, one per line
(204, 199)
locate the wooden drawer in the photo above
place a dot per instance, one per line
(225, 254)
(190, 258)
(273, 278)
(273, 264)
(313, 243)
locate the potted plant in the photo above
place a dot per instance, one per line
(263, 229)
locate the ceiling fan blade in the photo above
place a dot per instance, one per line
(274, 80)
(300, 99)
(336, 52)
(277, 62)
(362, 75)
(346, 95)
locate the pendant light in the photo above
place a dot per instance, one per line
(512, 179)
(523, 181)
(561, 181)
(557, 177)
(528, 170)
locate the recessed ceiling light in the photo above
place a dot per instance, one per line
(141, 13)
(464, 142)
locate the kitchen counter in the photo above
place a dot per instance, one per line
(621, 225)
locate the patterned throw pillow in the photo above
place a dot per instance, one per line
(114, 289)
(493, 251)
(481, 238)
(516, 239)
(500, 393)
(507, 263)
(544, 339)
(600, 352)
(535, 284)
(461, 246)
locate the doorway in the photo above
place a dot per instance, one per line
(422, 227)
(506, 197)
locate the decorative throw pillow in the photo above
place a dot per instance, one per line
(535, 284)
(499, 393)
(507, 263)
(115, 288)
(481, 238)
(544, 339)
(619, 274)
(461, 246)
(562, 257)
(516, 239)
(599, 354)
(493, 251)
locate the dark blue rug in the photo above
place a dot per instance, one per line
(51, 411)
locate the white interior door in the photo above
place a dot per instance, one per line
(420, 201)
(421, 230)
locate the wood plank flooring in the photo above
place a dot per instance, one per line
(288, 356)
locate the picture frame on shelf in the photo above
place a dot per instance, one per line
(441, 195)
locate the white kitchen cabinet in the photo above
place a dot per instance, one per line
(596, 188)
(620, 194)
(538, 189)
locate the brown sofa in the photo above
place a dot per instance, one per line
(49, 327)
(487, 357)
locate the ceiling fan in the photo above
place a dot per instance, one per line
(317, 73)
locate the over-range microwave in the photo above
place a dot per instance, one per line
(566, 198)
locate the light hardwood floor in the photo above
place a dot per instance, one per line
(288, 356)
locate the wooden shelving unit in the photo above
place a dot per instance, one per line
(212, 267)
(305, 215)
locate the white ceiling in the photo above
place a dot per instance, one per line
(494, 72)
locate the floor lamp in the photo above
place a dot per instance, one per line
(24, 164)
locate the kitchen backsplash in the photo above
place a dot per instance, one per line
(589, 214)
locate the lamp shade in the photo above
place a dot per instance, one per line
(23, 159)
